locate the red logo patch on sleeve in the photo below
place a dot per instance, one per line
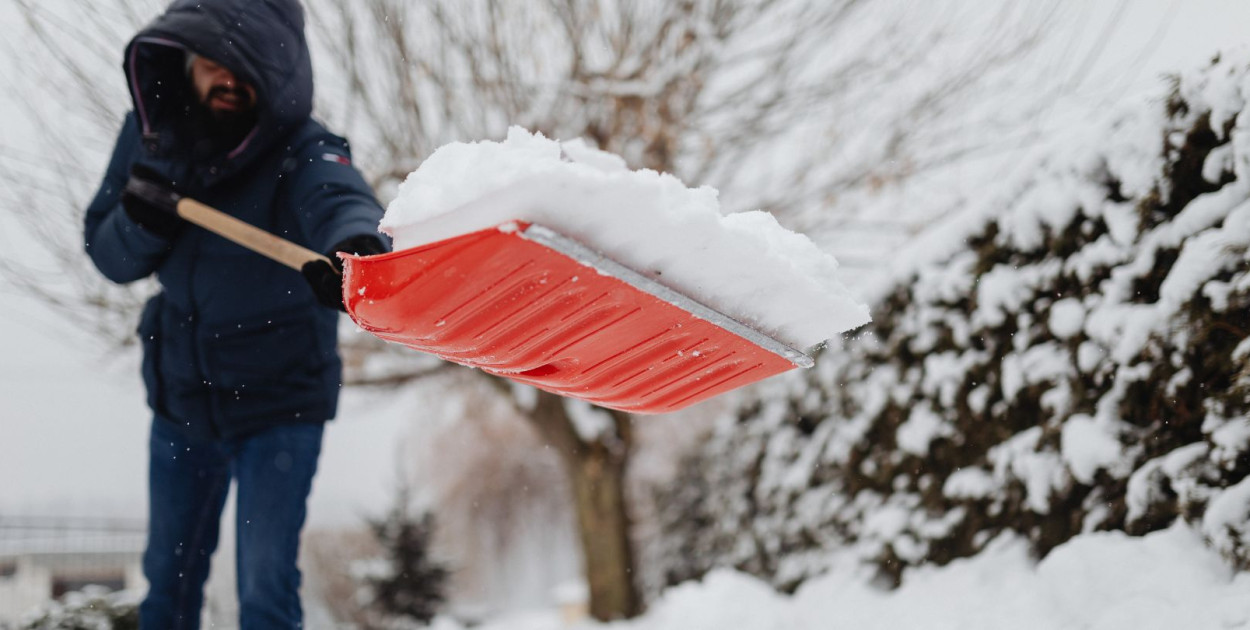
(334, 157)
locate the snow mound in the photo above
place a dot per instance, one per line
(1107, 581)
(745, 265)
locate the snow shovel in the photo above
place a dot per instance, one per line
(526, 303)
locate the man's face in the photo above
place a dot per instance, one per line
(219, 90)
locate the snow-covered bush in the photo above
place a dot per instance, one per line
(1077, 360)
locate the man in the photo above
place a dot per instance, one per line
(240, 357)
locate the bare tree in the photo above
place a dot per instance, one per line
(783, 103)
(67, 92)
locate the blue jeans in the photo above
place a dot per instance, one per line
(187, 484)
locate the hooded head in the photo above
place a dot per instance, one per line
(259, 43)
(225, 103)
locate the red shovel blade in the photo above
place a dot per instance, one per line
(525, 303)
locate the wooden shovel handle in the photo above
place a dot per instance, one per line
(247, 235)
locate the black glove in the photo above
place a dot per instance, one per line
(326, 283)
(326, 279)
(151, 201)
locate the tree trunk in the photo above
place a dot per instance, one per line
(596, 472)
(599, 493)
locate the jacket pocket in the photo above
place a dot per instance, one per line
(150, 341)
(268, 371)
(178, 385)
(282, 351)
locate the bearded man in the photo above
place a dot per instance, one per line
(240, 357)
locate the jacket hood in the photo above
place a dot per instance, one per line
(260, 41)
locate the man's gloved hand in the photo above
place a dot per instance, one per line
(326, 279)
(150, 200)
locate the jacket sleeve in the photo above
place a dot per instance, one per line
(120, 249)
(329, 197)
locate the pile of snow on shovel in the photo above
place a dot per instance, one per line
(745, 265)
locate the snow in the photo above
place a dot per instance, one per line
(921, 428)
(1039, 210)
(1218, 162)
(1121, 228)
(1088, 447)
(1089, 355)
(591, 423)
(943, 373)
(1230, 438)
(1047, 362)
(1206, 255)
(969, 483)
(1157, 478)
(1067, 317)
(887, 523)
(1098, 581)
(1227, 521)
(1042, 473)
(1001, 291)
(571, 593)
(745, 265)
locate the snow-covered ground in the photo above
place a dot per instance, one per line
(1106, 581)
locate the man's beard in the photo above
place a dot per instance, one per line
(226, 128)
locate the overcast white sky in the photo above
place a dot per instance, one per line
(1151, 37)
(73, 424)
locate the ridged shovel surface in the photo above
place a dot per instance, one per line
(528, 304)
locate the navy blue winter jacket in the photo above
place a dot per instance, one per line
(234, 343)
